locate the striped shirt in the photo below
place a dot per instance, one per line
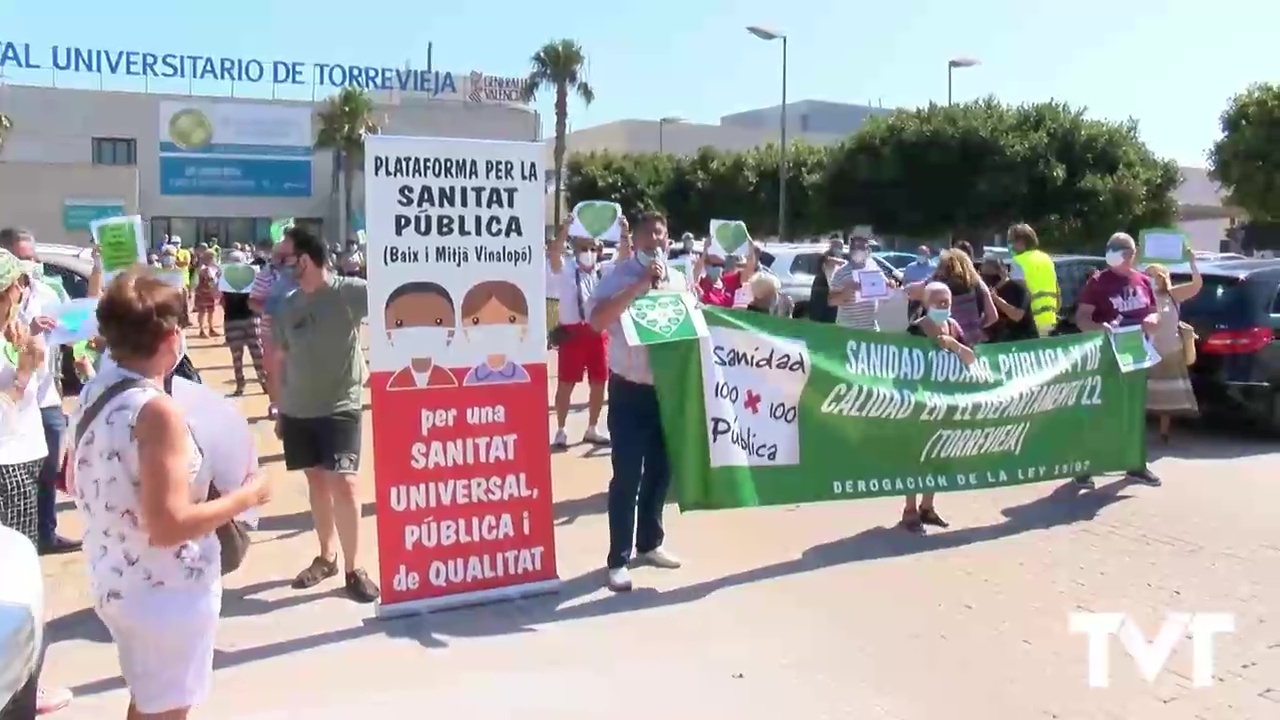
(631, 363)
(854, 312)
(258, 292)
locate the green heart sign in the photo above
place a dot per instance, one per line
(731, 235)
(11, 353)
(237, 277)
(662, 314)
(596, 216)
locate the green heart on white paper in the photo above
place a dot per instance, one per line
(596, 216)
(732, 236)
(662, 315)
(239, 276)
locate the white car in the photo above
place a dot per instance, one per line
(796, 266)
(21, 625)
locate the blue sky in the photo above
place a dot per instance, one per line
(1172, 64)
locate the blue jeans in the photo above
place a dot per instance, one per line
(55, 426)
(641, 471)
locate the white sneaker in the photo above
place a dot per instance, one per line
(619, 580)
(595, 437)
(562, 440)
(659, 558)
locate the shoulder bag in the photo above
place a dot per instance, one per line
(1186, 334)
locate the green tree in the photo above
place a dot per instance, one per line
(559, 66)
(971, 170)
(1246, 159)
(345, 120)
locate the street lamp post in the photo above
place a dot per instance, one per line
(662, 123)
(766, 34)
(954, 63)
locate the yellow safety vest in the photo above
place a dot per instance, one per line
(1042, 284)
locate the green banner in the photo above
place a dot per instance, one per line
(768, 411)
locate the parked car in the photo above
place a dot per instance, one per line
(797, 265)
(21, 625)
(898, 260)
(1236, 316)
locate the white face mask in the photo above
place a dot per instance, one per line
(587, 259)
(1115, 258)
(858, 256)
(496, 339)
(408, 343)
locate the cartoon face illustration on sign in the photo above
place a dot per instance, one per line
(420, 321)
(495, 319)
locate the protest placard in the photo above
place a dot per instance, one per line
(751, 414)
(121, 242)
(457, 331)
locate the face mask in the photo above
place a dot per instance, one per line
(922, 259)
(496, 339)
(168, 261)
(409, 343)
(858, 256)
(289, 273)
(939, 315)
(1115, 258)
(714, 272)
(587, 259)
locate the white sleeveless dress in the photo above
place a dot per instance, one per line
(161, 604)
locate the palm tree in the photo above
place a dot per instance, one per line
(5, 126)
(345, 120)
(559, 65)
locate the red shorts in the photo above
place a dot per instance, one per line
(583, 353)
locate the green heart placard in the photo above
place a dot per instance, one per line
(10, 353)
(595, 219)
(237, 278)
(662, 314)
(730, 235)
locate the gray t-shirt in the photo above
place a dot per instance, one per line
(632, 363)
(319, 332)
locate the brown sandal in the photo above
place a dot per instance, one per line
(911, 523)
(319, 570)
(929, 516)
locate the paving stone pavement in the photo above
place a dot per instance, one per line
(821, 611)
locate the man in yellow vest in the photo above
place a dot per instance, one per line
(1035, 268)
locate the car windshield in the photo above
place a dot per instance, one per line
(897, 259)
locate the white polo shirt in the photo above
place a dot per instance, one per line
(41, 300)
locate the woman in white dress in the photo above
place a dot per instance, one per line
(139, 480)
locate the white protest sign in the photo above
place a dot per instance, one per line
(237, 277)
(223, 435)
(1163, 245)
(728, 237)
(873, 285)
(1151, 657)
(752, 384)
(596, 219)
(75, 320)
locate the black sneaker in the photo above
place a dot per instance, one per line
(58, 545)
(1145, 476)
(360, 587)
(1084, 482)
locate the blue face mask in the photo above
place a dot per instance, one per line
(714, 271)
(939, 316)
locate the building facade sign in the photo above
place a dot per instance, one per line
(489, 89)
(78, 213)
(235, 149)
(191, 66)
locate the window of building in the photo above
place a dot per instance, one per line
(115, 151)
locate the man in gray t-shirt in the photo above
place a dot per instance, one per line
(317, 330)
